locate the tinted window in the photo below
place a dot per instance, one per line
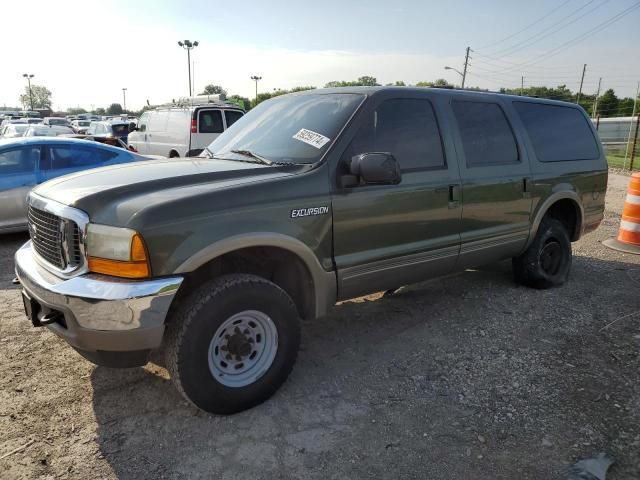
(406, 128)
(74, 157)
(557, 133)
(232, 117)
(210, 121)
(487, 138)
(22, 160)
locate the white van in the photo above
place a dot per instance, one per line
(182, 131)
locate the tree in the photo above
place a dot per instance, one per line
(41, 97)
(100, 111)
(608, 104)
(114, 109)
(242, 102)
(213, 90)
(397, 83)
(364, 81)
(76, 111)
(267, 95)
(440, 82)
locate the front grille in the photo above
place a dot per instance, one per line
(55, 239)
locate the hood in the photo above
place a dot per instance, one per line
(148, 181)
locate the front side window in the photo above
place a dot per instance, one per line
(487, 138)
(63, 157)
(210, 121)
(404, 127)
(557, 133)
(142, 123)
(20, 160)
(296, 128)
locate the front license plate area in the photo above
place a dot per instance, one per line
(31, 309)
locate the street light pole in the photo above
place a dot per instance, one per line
(188, 45)
(124, 99)
(29, 76)
(256, 78)
(457, 71)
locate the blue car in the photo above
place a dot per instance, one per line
(26, 162)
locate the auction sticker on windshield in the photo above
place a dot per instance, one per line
(312, 138)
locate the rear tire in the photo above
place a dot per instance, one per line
(547, 261)
(232, 343)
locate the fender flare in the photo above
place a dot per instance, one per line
(544, 208)
(324, 283)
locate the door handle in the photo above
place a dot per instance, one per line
(526, 187)
(454, 196)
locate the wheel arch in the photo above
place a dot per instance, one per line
(556, 204)
(295, 267)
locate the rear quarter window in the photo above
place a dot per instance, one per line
(557, 133)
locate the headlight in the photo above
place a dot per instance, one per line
(116, 251)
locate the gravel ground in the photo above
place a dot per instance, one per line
(469, 376)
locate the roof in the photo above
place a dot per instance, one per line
(447, 92)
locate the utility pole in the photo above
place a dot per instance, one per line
(635, 105)
(188, 45)
(584, 69)
(256, 78)
(29, 76)
(466, 63)
(522, 85)
(635, 141)
(124, 99)
(595, 103)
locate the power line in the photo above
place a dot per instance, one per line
(528, 26)
(550, 29)
(601, 26)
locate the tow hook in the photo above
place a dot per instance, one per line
(15, 281)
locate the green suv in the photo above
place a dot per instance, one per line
(309, 199)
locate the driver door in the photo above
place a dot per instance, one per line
(386, 236)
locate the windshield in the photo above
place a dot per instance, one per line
(84, 124)
(57, 121)
(289, 129)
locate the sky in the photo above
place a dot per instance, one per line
(85, 52)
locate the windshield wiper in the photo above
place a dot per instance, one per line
(249, 153)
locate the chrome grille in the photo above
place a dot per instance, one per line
(55, 239)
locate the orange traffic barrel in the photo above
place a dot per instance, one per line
(629, 235)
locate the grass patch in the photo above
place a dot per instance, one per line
(617, 161)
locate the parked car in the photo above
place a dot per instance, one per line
(80, 126)
(182, 131)
(13, 130)
(309, 199)
(27, 162)
(113, 141)
(31, 120)
(12, 121)
(47, 131)
(60, 121)
(110, 128)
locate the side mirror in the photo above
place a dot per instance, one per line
(373, 169)
(132, 127)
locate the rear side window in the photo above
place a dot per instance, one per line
(210, 121)
(232, 116)
(487, 138)
(21, 160)
(73, 157)
(557, 133)
(406, 128)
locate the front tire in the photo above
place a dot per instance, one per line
(232, 343)
(547, 261)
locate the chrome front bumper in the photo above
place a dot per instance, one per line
(101, 313)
